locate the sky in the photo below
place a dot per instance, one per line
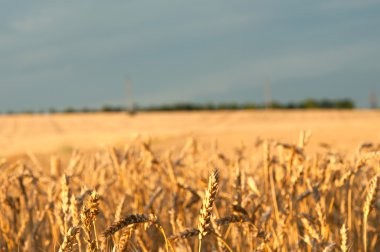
(58, 54)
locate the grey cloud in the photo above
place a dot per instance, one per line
(81, 51)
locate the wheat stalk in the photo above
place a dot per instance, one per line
(374, 186)
(65, 197)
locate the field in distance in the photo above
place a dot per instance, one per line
(345, 130)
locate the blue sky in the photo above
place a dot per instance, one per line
(80, 53)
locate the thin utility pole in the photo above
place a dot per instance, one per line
(129, 96)
(267, 94)
(372, 99)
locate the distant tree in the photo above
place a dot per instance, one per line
(326, 104)
(27, 112)
(310, 104)
(210, 106)
(233, 106)
(222, 106)
(249, 105)
(69, 110)
(86, 110)
(275, 105)
(108, 108)
(291, 105)
(345, 104)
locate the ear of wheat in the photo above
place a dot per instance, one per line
(69, 239)
(374, 187)
(128, 220)
(344, 238)
(204, 220)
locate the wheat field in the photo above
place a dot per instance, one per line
(202, 181)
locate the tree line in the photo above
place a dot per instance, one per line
(189, 106)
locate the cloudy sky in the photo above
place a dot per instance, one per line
(80, 53)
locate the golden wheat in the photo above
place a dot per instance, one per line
(269, 197)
